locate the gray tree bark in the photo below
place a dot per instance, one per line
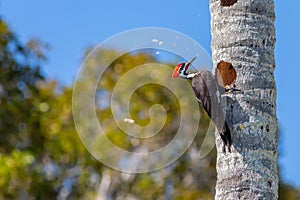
(243, 34)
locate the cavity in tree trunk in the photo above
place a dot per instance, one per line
(243, 34)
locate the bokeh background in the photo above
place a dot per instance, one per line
(42, 46)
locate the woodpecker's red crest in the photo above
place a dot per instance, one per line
(177, 70)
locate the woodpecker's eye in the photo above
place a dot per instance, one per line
(181, 67)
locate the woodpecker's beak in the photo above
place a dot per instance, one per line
(190, 62)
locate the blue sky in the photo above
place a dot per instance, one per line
(70, 26)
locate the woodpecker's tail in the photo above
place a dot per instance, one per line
(226, 137)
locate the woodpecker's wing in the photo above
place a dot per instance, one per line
(208, 94)
(225, 74)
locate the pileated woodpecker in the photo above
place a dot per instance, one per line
(208, 89)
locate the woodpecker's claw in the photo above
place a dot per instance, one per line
(231, 88)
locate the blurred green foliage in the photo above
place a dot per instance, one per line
(42, 157)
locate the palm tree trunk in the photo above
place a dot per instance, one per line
(243, 34)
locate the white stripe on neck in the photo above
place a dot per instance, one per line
(190, 76)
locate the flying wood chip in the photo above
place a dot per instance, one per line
(225, 73)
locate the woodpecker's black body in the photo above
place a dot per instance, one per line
(208, 90)
(208, 93)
